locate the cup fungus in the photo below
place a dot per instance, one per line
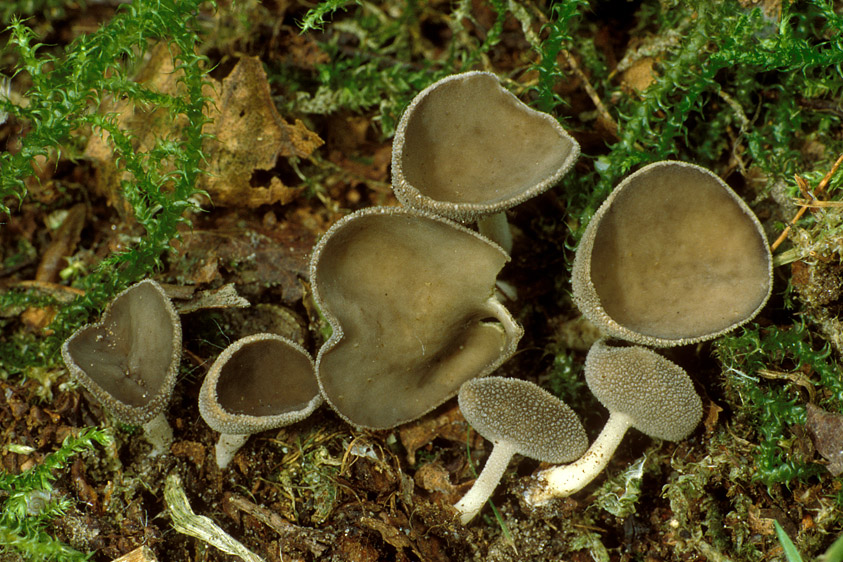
(672, 257)
(518, 417)
(641, 389)
(466, 148)
(257, 383)
(410, 299)
(129, 360)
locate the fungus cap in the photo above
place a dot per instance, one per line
(672, 257)
(129, 359)
(410, 299)
(538, 424)
(467, 147)
(655, 393)
(257, 383)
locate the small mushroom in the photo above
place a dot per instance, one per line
(410, 299)
(257, 383)
(672, 257)
(129, 360)
(466, 148)
(518, 417)
(641, 389)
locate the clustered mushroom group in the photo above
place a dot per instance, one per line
(672, 257)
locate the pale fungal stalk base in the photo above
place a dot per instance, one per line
(564, 480)
(511, 328)
(159, 434)
(472, 502)
(496, 228)
(227, 446)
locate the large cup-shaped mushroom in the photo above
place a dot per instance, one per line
(129, 360)
(257, 383)
(518, 417)
(672, 257)
(641, 389)
(410, 299)
(466, 148)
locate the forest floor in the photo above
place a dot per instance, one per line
(328, 101)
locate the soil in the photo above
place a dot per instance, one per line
(319, 489)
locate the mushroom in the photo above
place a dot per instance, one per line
(129, 360)
(672, 257)
(468, 149)
(257, 383)
(641, 389)
(410, 299)
(518, 417)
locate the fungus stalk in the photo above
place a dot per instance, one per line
(227, 446)
(517, 417)
(495, 227)
(562, 481)
(510, 327)
(473, 501)
(159, 434)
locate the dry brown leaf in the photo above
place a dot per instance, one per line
(148, 124)
(827, 432)
(640, 75)
(449, 424)
(246, 134)
(250, 135)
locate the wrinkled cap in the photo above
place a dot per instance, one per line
(538, 424)
(466, 147)
(129, 360)
(654, 392)
(409, 297)
(672, 257)
(259, 382)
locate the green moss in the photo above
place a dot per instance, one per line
(30, 505)
(161, 184)
(773, 406)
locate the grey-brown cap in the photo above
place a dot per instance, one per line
(129, 359)
(538, 424)
(257, 383)
(672, 257)
(410, 299)
(654, 392)
(466, 147)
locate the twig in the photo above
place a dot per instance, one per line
(803, 187)
(314, 540)
(185, 521)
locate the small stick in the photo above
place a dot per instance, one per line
(815, 202)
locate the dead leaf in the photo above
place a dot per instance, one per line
(250, 135)
(222, 297)
(388, 533)
(191, 450)
(246, 133)
(246, 255)
(62, 246)
(640, 75)
(711, 417)
(449, 424)
(148, 124)
(827, 432)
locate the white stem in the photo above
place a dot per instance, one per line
(159, 434)
(227, 446)
(511, 328)
(496, 228)
(564, 480)
(471, 503)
